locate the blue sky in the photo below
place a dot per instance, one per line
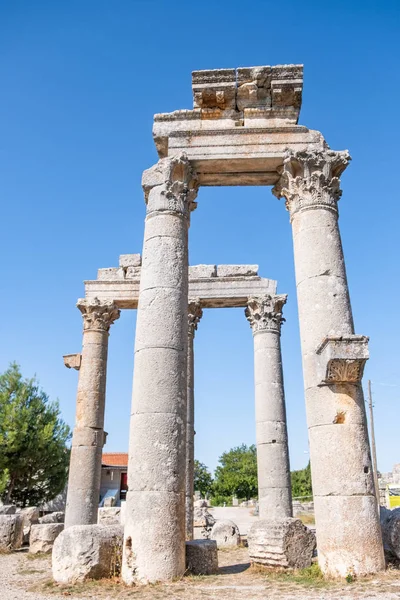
(80, 82)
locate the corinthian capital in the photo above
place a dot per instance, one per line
(171, 185)
(265, 312)
(98, 314)
(195, 312)
(311, 179)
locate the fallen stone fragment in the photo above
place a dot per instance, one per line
(109, 515)
(11, 532)
(225, 533)
(87, 552)
(282, 542)
(390, 524)
(202, 557)
(54, 517)
(30, 516)
(42, 537)
(8, 509)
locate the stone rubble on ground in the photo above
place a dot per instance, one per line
(202, 557)
(30, 516)
(87, 552)
(281, 543)
(42, 537)
(390, 523)
(109, 515)
(8, 509)
(225, 533)
(11, 532)
(54, 517)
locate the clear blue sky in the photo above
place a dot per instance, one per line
(80, 82)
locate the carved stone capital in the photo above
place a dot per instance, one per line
(171, 185)
(264, 313)
(98, 314)
(311, 179)
(195, 312)
(341, 359)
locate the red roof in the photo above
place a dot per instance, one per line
(115, 459)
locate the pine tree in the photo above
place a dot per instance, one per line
(34, 457)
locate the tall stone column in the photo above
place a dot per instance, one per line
(154, 540)
(348, 531)
(89, 437)
(195, 313)
(274, 487)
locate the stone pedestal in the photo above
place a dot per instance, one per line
(154, 540)
(89, 437)
(274, 487)
(194, 315)
(348, 532)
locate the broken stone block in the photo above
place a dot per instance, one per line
(11, 532)
(130, 260)
(87, 552)
(109, 515)
(111, 274)
(282, 542)
(73, 361)
(390, 524)
(42, 537)
(202, 557)
(225, 533)
(30, 516)
(8, 509)
(202, 518)
(237, 270)
(54, 517)
(202, 271)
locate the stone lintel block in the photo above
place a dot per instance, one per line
(341, 359)
(130, 260)
(214, 89)
(73, 361)
(237, 270)
(111, 274)
(202, 271)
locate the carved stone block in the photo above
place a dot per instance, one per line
(130, 260)
(73, 361)
(214, 89)
(341, 359)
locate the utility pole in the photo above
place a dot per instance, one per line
(373, 445)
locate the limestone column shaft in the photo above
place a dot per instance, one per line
(89, 437)
(348, 530)
(154, 538)
(274, 486)
(195, 313)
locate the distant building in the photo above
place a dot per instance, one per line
(114, 477)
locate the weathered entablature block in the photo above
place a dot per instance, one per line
(242, 122)
(215, 285)
(341, 359)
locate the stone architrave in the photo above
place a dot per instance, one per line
(154, 536)
(89, 437)
(195, 313)
(274, 486)
(348, 531)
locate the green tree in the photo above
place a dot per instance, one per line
(301, 482)
(202, 479)
(33, 454)
(237, 473)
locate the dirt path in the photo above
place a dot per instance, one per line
(23, 578)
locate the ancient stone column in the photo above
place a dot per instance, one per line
(195, 313)
(274, 487)
(154, 540)
(89, 437)
(348, 531)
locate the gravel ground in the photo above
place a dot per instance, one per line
(23, 578)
